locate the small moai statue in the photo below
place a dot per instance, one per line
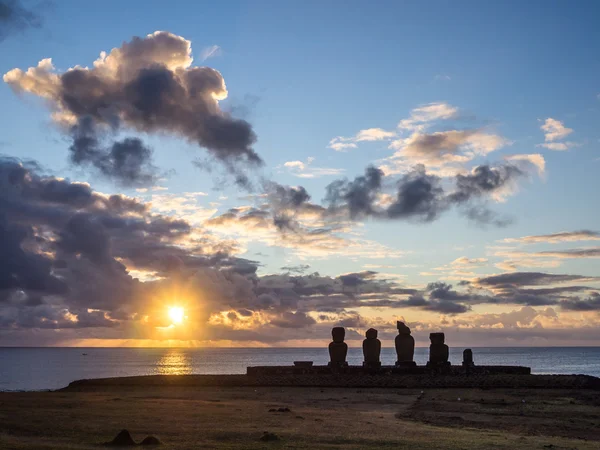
(405, 346)
(438, 351)
(468, 358)
(338, 349)
(371, 349)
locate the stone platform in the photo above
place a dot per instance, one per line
(257, 371)
(397, 377)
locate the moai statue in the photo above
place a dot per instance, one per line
(405, 346)
(371, 349)
(438, 351)
(338, 349)
(468, 358)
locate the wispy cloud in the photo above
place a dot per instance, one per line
(555, 130)
(307, 170)
(535, 159)
(554, 238)
(422, 116)
(341, 143)
(210, 52)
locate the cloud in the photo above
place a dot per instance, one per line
(15, 18)
(442, 148)
(593, 252)
(421, 196)
(591, 303)
(563, 236)
(554, 130)
(293, 320)
(497, 181)
(519, 279)
(341, 143)
(290, 222)
(338, 146)
(423, 115)
(440, 298)
(146, 85)
(559, 146)
(534, 159)
(129, 162)
(307, 170)
(210, 52)
(357, 196)
(374, 134)
(577, 253)
(71, 255)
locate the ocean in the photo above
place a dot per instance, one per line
(33, 369)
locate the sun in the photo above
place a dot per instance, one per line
(176, 314)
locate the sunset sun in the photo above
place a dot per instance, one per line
(176, 314)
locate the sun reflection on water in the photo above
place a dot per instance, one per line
(174, 362)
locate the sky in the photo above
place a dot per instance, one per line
(275, 169)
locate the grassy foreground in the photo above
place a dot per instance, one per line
(236, 417)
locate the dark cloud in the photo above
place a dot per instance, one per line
(66, 241)
(577, 253)
(440, 297)
(483, 216)
(527, 279)
(22, 270)
(299, 269)
(511, 288)
(592, 303)
(128, 161)
(421, 196)
(483, 180)
(148, 85)
(358, 196)
(14, 18)
(284, 202)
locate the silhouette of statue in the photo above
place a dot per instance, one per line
(438, 351)
(338, 349)
(405, 345)
(371, 349)
(468, 358)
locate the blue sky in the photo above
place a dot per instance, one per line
(304, 73)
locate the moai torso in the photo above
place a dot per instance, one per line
(338, 349)
(468, 357)
(405, 344)
(438, 350)
(371, 348)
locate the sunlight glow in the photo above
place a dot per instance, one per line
(176, 314)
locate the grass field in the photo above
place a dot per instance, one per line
(236, 417)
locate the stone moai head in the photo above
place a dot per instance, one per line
(371, 333)
(402, 328)
(338, 334)
(436, 338)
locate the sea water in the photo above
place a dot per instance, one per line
(26, 369)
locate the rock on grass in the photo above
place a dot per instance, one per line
(123, 439)
(151, 440)
(269, 437)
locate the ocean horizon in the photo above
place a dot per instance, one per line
(48, 368)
